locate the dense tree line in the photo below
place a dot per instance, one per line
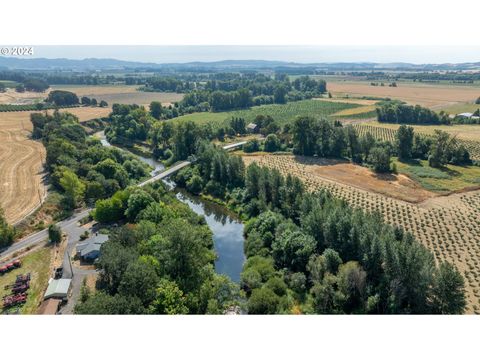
(80, 167)
(440, 149)
(405, 114)
(160, 263)
(325, 138)
(62, 98)
(314, 254)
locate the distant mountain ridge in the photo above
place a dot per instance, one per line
(14, 63)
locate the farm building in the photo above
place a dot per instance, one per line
(89, 250)
(58, 289)
(49, 307)
(253, 128)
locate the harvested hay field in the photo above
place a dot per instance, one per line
(28, 97)
(432, 96)
(121, 94)
(86, 113)
(448, 225)
(21, 186)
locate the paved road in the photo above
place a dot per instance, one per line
(42, 235)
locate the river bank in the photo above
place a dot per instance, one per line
(225, 225)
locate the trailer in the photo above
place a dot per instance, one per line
(13, 300)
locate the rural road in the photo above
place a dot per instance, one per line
(42, 235)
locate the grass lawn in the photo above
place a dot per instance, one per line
(449, 178)
(38, 264)
(282, 113)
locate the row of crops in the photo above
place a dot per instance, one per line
(386, 134)
(31, 107)
(282, 113)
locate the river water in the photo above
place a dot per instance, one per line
(227, 229)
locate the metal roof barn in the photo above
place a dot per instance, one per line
(58, 289)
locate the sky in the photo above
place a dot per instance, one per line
(298, 53)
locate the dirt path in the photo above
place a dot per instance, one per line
(21, 159)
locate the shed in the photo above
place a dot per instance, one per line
(49, 307)
(465, 115)
(57, 289)
(252, 127)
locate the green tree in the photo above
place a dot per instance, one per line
(292, 249)
(7, 232)
(367, 142)
(404, 142)
(304, 135)
(448, 293)
(74, 188)
(272, 143)
(263, 301)
(54, 233)
(195, 184)
(251, 146)
(380, 159)
(138, 200)
(169, 299)
(156, 109)
(139, 279)
(441, 149)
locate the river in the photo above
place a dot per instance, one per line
(227, 229)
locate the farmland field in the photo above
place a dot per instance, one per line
(281, 113)
(28, 97)
(448, 225)
(122, 94)
(21, 159)
(37, 263)
(432, 96)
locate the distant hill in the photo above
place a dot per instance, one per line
(93, 64)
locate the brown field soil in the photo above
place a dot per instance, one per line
(28, 97)
(396, 186)
(432, 96)
(21, 159)
(121, 94)
(447, 225)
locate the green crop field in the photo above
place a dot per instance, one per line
(281, 113)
